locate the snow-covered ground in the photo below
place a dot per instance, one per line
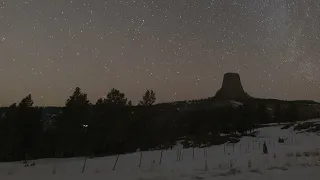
(296, 158)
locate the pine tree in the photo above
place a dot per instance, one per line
(148, 99)
(26, 102)
(77, 99)
(29, 127)
(114, 97)
(72, 124)
(111, 115)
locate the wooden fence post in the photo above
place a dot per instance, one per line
(193, 152)
(115, 164)
(84, 164)
(140, 158)
(160, 157)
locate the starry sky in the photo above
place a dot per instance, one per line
(178, 48)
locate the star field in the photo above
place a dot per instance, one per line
(178, 48)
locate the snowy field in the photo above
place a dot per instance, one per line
(296, 158)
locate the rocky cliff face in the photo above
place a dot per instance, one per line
(231, 88)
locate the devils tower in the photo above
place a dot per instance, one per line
(232, 88)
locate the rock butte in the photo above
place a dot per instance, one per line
(232, 88)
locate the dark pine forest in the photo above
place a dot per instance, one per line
(113, 125)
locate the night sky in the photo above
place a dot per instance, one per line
(178, 48)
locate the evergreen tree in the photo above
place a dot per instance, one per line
(114, 97)
(148, 99)
(72, 124)
(8, 132)
(26, 102)
(28, 129)
(111, 120)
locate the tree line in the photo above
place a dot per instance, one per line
(113, 126)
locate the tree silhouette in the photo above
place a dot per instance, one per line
(8, 133)
(28, 128)
(114, 97)
(148, 99)
(26, 102)
(77, 99)
(113, 125)
(72, 124)
(110, 123)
